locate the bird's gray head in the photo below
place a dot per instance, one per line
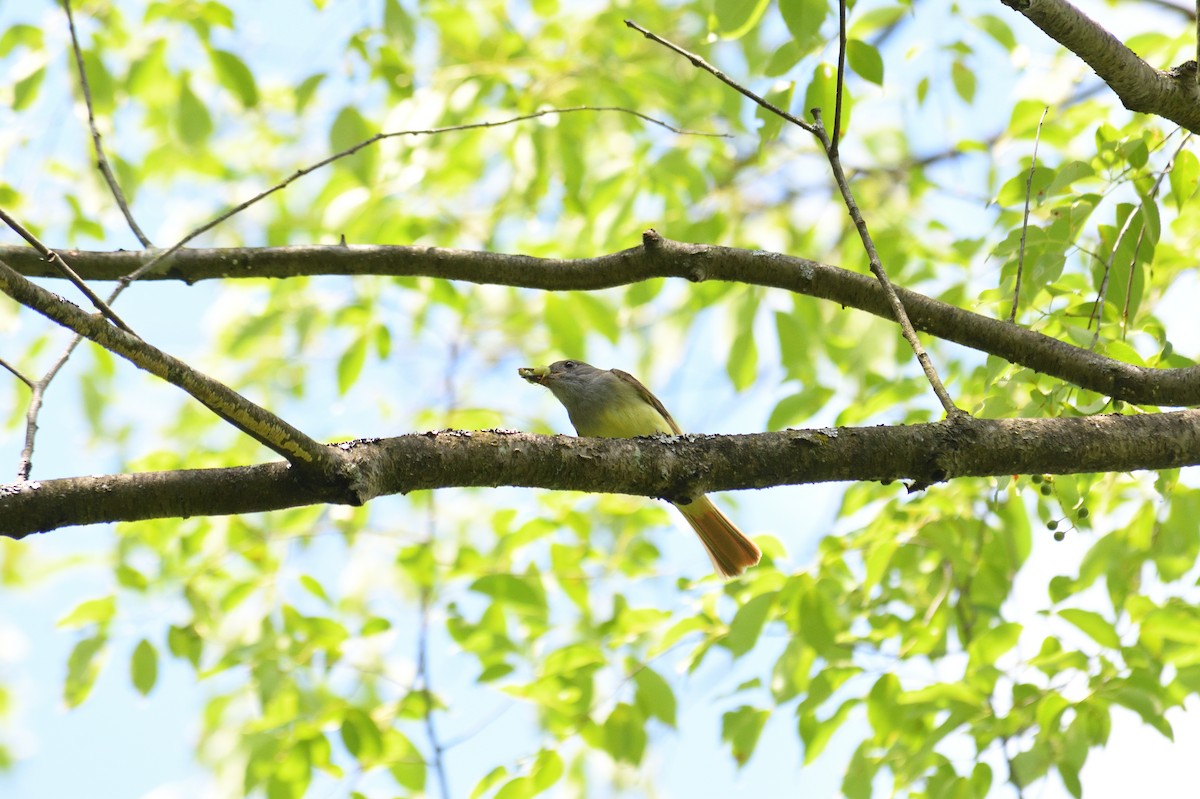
(569, 380)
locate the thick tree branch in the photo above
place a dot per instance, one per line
(1172, 94)
(258, 423)
(670, 467)
(695, 262)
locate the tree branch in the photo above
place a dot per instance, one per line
(1173, 94)
(97, 144)
(60, 265)
(258, 423)
(662, 466)
(817, 129)
(694, 262)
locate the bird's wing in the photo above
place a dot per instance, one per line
(645, 394)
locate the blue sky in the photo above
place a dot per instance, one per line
(121, 745)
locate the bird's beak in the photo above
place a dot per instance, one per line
(534, 374)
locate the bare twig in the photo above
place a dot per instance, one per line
(1097, 314)
(101, 160)
(841, 77)
(1142, 233)
(1187, 13)
(889, 291)
(700, 63)
(1012, 314)
(429, 590)
(55, 259)
(25, 463)
(160, 257)
(16, 372)
(818, 130)
(258, 423)
(437, 761)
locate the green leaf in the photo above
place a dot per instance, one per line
(742, 364)
(314, 587)
(822, 94)
(798, 407)
(1185, 177)
(1014, 191)
(361, 736)
(519, 788)
(82, 668)
(235, 76)
(100, 82)
(143, 667)
(307, 90)
(91, 611)
(398, 24)
(546, 771)
(185, 642)
(491, 778)
(747, 624)
(786, 56)
(350, 365)
(988, 647)
(25, 90)
(408, 767)
(350, 129)
(741, 728)
(193, 121)
(964, 81)
(21, 35)
(998, 29)
(865, 60)
(780, 97)
(804, 19)
(625, 734)
(654, 696)
(860, 773)
(815, 734)
(735, 18)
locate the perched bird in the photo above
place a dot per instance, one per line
(609, 403)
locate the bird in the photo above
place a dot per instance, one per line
(610, 403)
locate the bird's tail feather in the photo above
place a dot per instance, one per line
(730, 551)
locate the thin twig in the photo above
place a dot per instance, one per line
(1012, 314)
(101, 160)
(69, 273)
(25, 464)
(1142, 233)
(841, 77)
(700, 63)
(1097, 314)
(16, 373)
(438, 764)
(391, 135)
(428, 591)
(817, 129)
(257, 422)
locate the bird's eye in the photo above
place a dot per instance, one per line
(568, 364)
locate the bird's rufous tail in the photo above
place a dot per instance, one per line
(730, 551)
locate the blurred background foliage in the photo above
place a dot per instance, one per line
(974, 639)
